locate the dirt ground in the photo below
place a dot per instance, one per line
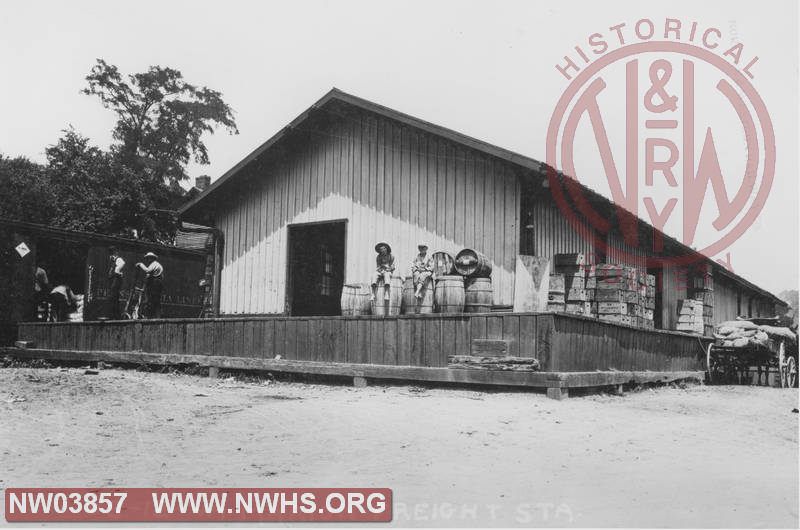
(699, 456)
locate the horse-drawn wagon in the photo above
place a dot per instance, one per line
(742, 347)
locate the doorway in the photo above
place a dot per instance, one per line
(316, 268)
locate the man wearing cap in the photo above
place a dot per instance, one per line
(421, 269)
(385, 268)
(154, 284)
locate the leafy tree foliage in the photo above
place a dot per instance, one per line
(25, 191)
(134, 186)
(161, 118)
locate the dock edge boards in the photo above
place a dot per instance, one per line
(553, 380)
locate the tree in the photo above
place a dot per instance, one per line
(161, 119)
(98, 193)
(26, 192)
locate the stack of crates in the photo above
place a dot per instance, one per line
(623, 294)
(649, 301)
(690, 316)
(556, 297)
(702, 290)
(571, 267)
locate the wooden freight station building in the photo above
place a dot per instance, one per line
(307, 207)
(299, 217)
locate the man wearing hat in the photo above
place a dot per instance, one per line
(154, 284)
(421, 269)
(385, 268)
(116, 266)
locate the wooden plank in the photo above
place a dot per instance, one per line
(448, 338)
(461, 212)
(290, 340)
(301, 349)
(362, 346)
(449, 375)
(511, 333)
(404, 341)
(339, 340)
(441, 185)
(477, 327)
(432, 184)
(544, 336)
(462, 333)
(390, 342)
(527, 336)
(450, 195)
(494, 327)
(269, 339)
(375, 352)
(432, 351)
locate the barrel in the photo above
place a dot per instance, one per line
(473, 264)
(413, 305)
(478, 295)
(442, 264)
(449, 294)
(355, 299)
(380, 306)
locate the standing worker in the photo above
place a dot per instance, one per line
(62, 302)
(154, 284)
(41, 289)
(115, 275)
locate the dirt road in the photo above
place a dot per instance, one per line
(701, 456)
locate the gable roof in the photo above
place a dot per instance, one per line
(479, 145)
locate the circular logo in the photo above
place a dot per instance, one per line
(654, 117)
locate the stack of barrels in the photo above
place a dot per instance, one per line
(460, 285)
(463, 284)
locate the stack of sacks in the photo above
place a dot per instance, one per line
(742, 333)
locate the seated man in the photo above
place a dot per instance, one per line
(421, 269)
(384, 270)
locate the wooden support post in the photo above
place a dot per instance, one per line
(557, 393)
(213, 371)
(359, 381)
(617, 390)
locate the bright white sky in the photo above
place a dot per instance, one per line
(482, 68)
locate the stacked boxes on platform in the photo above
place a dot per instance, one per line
(700, 305)
(606, 291)
(624, 294)
(571, 267)
(690, 316)
(556, 297)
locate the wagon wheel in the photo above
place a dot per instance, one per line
(787, 367)
(713, 365)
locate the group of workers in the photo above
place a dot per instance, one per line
(63, 301)
(421, 270)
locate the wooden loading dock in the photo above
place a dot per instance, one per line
(572, 351)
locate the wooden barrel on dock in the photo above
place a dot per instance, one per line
(473, 264)
(478, 295)
(442, 264)
(448, 296)
(381, 306)
(355, 299)
(413, 305)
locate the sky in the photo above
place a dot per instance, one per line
(486, 69)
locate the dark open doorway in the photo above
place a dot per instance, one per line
(316, 268)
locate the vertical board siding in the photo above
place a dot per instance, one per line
(560, 342)
(552, 232)
(390, 182)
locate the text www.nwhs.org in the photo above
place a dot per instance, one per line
(201, 504)
(275, 503)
